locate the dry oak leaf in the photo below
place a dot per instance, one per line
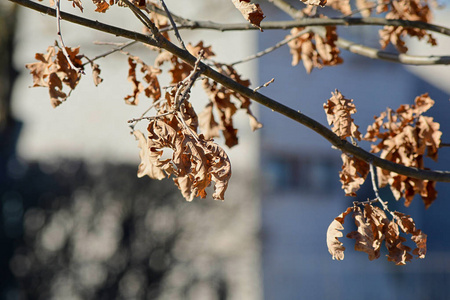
(245, 101)
(323, 52)
(408, 226)
(179, 71)
(397, 251)
(315, 2)
(195, 163)
(153, 89)
(221, 99)
(365, 7)
(102, 5)
(96, 74)
(335, 247)
(78, 4)
(208, 125)
(251, 12)
(339, 111)
(364, 235)
(411, 10)
(341, 5)
(53, 70)
(146, 167)
(353, 174)
(195, 50)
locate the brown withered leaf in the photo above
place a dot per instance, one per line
(408, 226)
(245, 101)
(208, 125)
(430, 135)
(420, 239)
(53, 71)
(341, 5)
(149, 75)
(339, 111)
(137, 85)
(146, 167)
(96, 74)
(365, 7)
(411, 10)
(41, 70)
(195, 50)
(323, 52)
(335, 247)
(179, 71)
(397, 251)
(378, 221)
(365, 240)
(251, 12)
(57, 96)
(102, 6)
(315, 2)
(353, 174)
(221, 99)
(196, 162)
(78, 4)
(69, 76)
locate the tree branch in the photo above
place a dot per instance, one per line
(227, 82)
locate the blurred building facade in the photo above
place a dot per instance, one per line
(301, 189)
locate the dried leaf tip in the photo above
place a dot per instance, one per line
(251, 12)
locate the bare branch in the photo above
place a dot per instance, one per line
(144, 19)
(59, 33)
(270, 49)
(175, 29)
(264, 85)
(227, 82)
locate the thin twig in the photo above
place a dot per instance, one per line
(123, 46)
(134, 120)
(63, 46)
(377, 195)
(264, 85)
(144, 19)
(174, 26)
(181, 120)
(374, 182)
(270, 49)
(190, 79)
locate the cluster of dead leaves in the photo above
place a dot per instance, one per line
(196, 160)
(354, 171)
(411, 10)
(373, 227)
(52, 70)
(313, 49)
(149, 76)
(221, 102)
(405, 137)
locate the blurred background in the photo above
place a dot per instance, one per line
(76, 222)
